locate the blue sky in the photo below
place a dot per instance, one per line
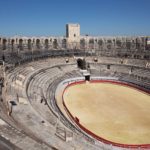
(96, 17)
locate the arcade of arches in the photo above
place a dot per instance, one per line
(84, 42)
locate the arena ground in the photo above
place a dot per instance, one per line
(117, 113)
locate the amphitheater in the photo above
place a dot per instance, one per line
(37, 75)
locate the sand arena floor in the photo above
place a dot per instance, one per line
(114, 112)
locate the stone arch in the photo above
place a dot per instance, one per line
(81, 63)
(118, 43)
(46, 44)
(109, 41)
(20, 46)
(100, 43)
(4, 44)
(109, 44)
(82, 44)
(12, 44)
(147, 46)
(38, 44)
(91, 43)
(55, 44)
(64, 43)
(29, 44)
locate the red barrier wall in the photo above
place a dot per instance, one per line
(77, 121)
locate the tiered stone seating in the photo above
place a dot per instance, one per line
(141, 72)
(36, 82)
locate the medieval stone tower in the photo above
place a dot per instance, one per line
(73, 32)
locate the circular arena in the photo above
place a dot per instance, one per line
(105, 110)
(68, 98)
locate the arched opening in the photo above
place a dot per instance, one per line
(82, 44)
(147, 43)
(81, 63)
(12, 44)
(109, 44)
(38, 44)
(118, 43)
(4, 44)
(46, 44)
(20, 46)
(91, 43)
(55, 44)
(64, 43)
(29, 44)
